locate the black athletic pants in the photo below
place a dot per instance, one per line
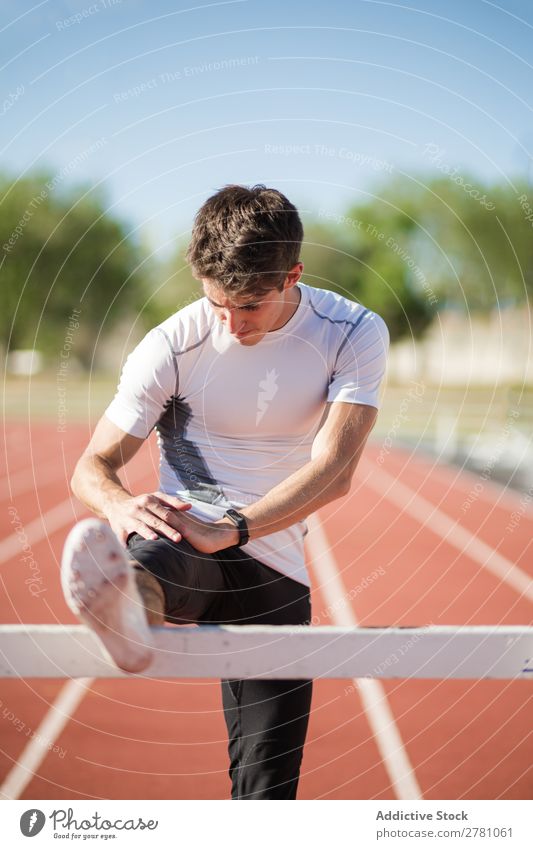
(266, 720)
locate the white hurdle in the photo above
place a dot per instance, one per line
(293, 652)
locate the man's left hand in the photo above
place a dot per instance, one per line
(206, 537)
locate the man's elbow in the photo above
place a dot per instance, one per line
(345, 486)
(337, 480)
(79, 475)
(342, 484)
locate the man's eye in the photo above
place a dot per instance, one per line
(250, 307)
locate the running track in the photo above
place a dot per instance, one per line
(400, 550)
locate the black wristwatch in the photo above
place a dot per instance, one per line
(240, 523)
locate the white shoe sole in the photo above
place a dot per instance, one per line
(100, 588)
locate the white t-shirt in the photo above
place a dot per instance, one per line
(233, 421)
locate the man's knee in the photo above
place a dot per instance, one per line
(188, 579)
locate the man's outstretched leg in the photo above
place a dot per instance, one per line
(101, 587)
(119, 593)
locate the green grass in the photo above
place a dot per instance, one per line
(407, 410)
(467, 410)
(40, 398)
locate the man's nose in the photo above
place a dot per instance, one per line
(233, 321)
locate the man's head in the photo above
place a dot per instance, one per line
(245, 249)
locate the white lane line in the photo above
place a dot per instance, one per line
(373, 697)
(431, 517)
(38, 529)
(494, 493)
(30, 479)
(72, 693)
(44, 738)
(48, 523)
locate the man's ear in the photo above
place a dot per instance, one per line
(293, 275)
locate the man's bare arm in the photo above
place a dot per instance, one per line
(327, 476)
(96, 483)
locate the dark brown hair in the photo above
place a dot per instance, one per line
(245, 240)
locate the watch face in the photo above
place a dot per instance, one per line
(240, 522)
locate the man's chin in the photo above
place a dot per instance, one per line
(249, 339)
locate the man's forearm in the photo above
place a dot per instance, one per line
(336, 450)
(96, 484)
(311, 487)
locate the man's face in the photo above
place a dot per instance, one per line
(250, 317)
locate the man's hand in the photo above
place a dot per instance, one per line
(158, 514)
(148, 515)
(205, 536)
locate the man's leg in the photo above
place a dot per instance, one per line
(177, 583)
(118, 594)
(266, 720)
(267, 724)
(100, 588)
(151, 593)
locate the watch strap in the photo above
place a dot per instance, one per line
(240, 523)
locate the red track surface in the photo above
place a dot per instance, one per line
(135, 739)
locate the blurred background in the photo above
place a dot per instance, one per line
(404, 135)
(403, 132)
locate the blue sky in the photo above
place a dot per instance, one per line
(164, 102)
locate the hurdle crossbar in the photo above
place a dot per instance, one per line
(293, 652)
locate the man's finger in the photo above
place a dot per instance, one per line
(173, 501)
(153, 521)
(144, 530)
(163, 512)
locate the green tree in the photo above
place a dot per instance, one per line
(63, 251)
(421, 244)
(364, 255)
(171, 288)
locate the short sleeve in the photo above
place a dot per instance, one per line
(361, 362)
(147, 382)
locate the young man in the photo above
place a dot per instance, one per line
(263, 394)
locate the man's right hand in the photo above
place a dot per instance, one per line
(149, 515)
